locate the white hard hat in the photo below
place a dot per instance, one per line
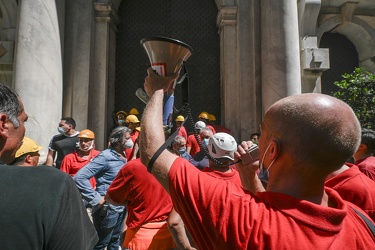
(222, 145)
(199, 125)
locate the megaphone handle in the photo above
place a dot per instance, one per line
(168, 109)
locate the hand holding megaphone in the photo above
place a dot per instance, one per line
(154, 82)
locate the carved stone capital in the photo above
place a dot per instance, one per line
(226, 15)
(105, 12)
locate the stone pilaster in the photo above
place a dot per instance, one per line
(102, 83)
(281, 75)
(38, 68)
(227, 24)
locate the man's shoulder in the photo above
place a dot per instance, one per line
(40, 175)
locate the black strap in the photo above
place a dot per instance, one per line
(162, 148)
(368, 222)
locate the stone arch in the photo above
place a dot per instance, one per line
(358, 32)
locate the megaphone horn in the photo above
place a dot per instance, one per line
(166, 55)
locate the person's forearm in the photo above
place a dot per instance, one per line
(177, 229)
(152, 138)
(152, 133)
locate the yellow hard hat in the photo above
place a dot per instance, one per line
(121, 113)
(211, 117)
(86, 133)
(28, 146)
(180, 118)
(134, 111)
(203, 115)
(132, 119)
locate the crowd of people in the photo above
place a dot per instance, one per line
(311, 187)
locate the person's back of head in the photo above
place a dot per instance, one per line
(368, 138)
(70, 121)
(221, 146)
(314, 130)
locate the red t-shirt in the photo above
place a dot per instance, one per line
(212, 128)
(218, 128)
(354, 186)
(182, 132)
(193, 144)
(129, 151)
(233, 176)
(72, 163)
(221, 215)
(367, 166)
(147, 201)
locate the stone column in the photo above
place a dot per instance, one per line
(226, 22)
(79, 43)
(102, 79)
(38, 68)
(8, 23)
(250, 113)
(281, 75)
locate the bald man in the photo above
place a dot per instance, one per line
(296, 211)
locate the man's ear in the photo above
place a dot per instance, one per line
(28, 159)
(362, 147)
(275, 149)
(4, 123)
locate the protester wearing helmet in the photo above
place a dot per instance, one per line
(28, 154)
(73, 162)
(205, 117)
(133, 123)
(192, 146)
(200, 159)
(134, 111)
(182, 130)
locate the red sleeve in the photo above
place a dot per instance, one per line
(118, 190)
(65, 165)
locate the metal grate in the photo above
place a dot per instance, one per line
(193, 22)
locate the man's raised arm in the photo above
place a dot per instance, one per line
(152, 132)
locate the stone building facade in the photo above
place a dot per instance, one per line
(62, 57)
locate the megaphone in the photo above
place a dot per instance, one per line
(166, 56)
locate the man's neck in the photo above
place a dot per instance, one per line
(301, 187)
(361, 155)
(71, 132)
(221, 169)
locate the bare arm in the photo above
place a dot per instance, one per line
(50, 157)
(152, 133)
(249, 178)
(177, 229)
(135, 151)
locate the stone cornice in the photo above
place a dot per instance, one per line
(227, 15)
(105, 12)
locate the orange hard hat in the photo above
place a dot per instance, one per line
(203, 115)
(132, 119)
(134, 111)
(211, 117)
(86, 133)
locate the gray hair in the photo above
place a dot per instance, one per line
(177, 140)
(9, 104)
(117, 135)
(206, 129)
